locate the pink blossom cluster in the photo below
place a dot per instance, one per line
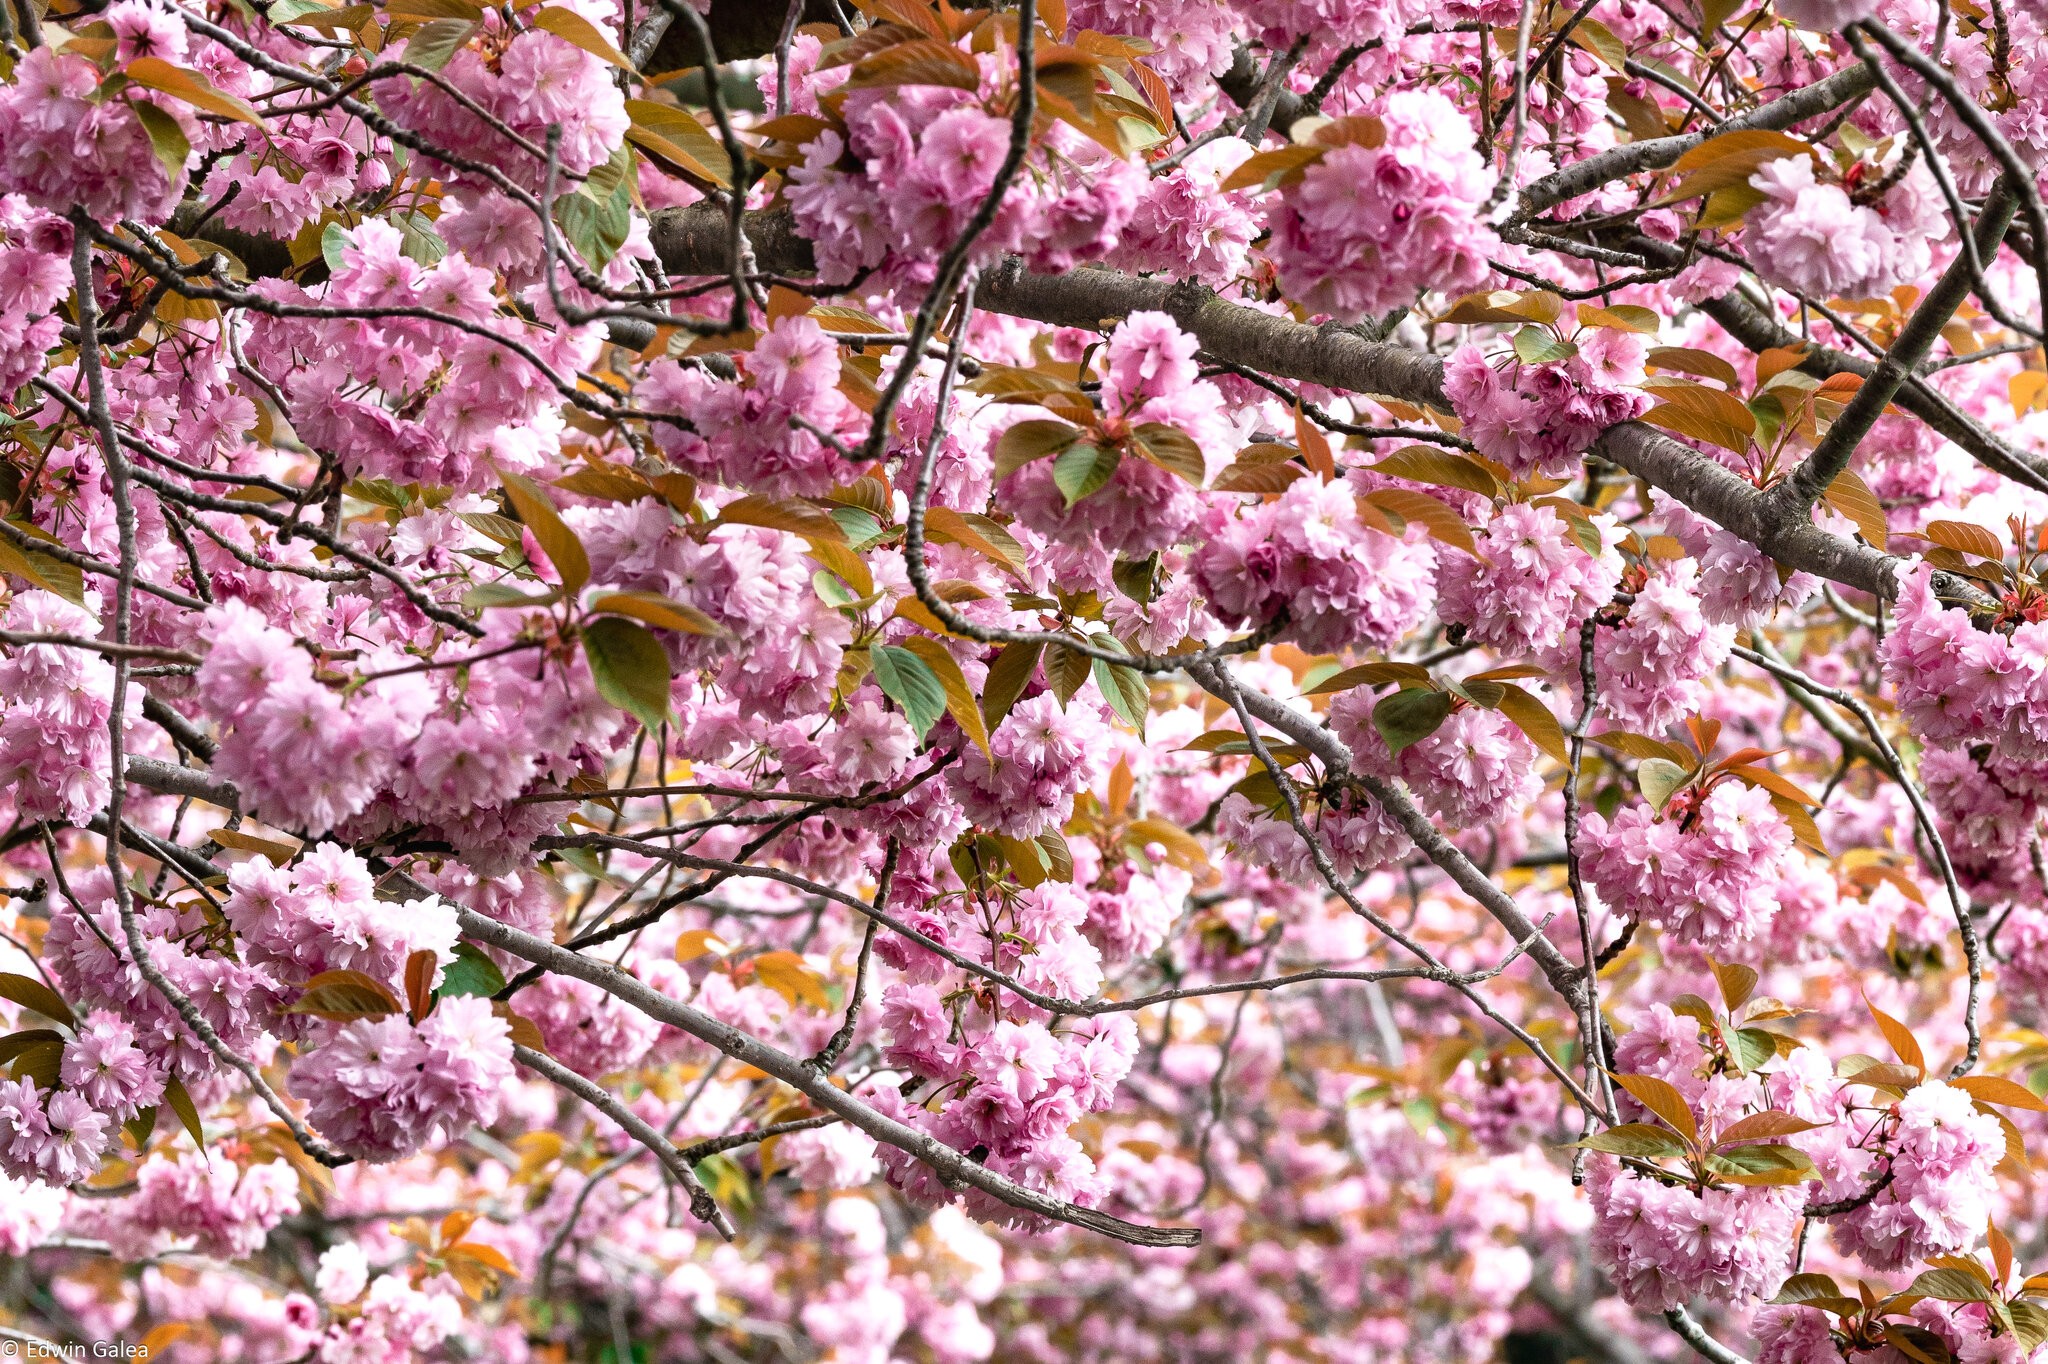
(88, 953)
(1143, 508)
(1532, 583)
(1738, 583)
(1354, 832)
(108, 1070)
(1474, 769)
(1967, 1331)
(1649, 669)
(1187, 224)
(1130, 916)
(202, 1201)
(57, 1137)
(62, 147)
(456, 749)
(1039, 757)
(54, 707)
(1503, 1112)
(34, 275)
(380, 1088)
(1958, 683)
(915, 163)
(436, 398)
(586, 1029)
(1366, 229)
(783, 643)
(532, 85)
(1939, 1150)
(1083, 944)
(1814, 237)
(761, 431)
(1018, 1089)
(1538, 418)
(394, 1321)
(288, 180)
(1340, 581)
(324, 914)
(1988, 807)
(1705, 874)
(999, 1079)
(1664, 1244)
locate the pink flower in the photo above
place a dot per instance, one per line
(833, 1157)
(1942, 1153)
(1533, 583)
(59, 150)
(1813, 237)
(1308, 553)
(1366, 230)
(1707, 877)
(108, 1070)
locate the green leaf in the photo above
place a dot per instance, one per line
(419, 241)
(909, 681)
(1410, 716)
(1803, 1287)
(597, 224)
(188, 1113)
(665, 613)
(1772, 1164)
(1137, 578)
(1369, 675)
(333, 241)
(1737, 982)
(630, 668)
(485, 596)
(1082, 468)
(1751, 1047)
(960, 703)
(2029, 1324)
(574, 29)
(14, 1044)
(557, 541)
(1535, 721)
(1637, 1139)
(1172, 450)
(1445, 468)
(1125, 690)
(1916, 1343)
(1660, 779)
(343, 995)
(1539, 345)
(471, 973)
(166, 138)
(1065, 670)
(1007, 678)
(40, 1062)
(142, 1126)
(1770, 1123)
(31, 993)
(1695, 1008)
(1662, 1098)
(437, 42)
(1952, 1285)
(859, 524)
(1599, 40)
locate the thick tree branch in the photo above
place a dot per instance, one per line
(953, 1168)
(1915, 340)
(1583, 177)
(1330, 355)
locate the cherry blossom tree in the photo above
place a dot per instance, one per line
(1214, 680)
